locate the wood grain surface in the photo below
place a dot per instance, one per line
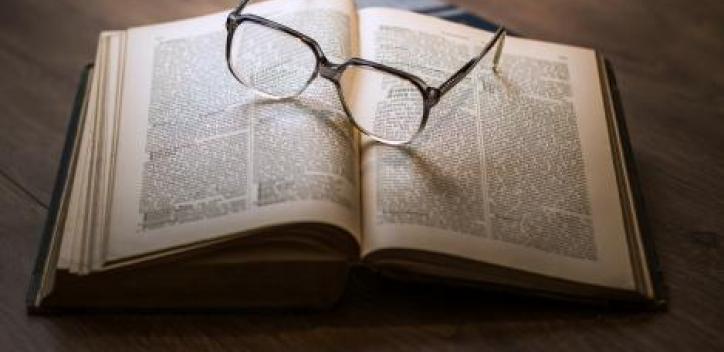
(669, 60)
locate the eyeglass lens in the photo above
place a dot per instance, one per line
(271, 61)
(382, 104)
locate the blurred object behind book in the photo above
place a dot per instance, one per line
(435, 8)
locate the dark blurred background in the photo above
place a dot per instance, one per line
(668, 56)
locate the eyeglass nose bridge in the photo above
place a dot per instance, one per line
(329, 70)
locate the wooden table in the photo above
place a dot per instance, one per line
(669, 58)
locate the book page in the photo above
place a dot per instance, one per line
(201, 156)
(513, 168)
(82, 240)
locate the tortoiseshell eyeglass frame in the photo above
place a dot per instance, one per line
(333, 71)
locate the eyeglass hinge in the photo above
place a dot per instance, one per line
(232, 21)
(434, 95)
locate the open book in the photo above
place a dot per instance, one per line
(185, 189)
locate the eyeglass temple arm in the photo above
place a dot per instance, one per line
(241, 6)
(499, 36)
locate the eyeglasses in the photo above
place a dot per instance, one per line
(385, 103)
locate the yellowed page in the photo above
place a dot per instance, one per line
(234, 161)
(74, 226)
(513, 169)
(71, 228)
(110, 114)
